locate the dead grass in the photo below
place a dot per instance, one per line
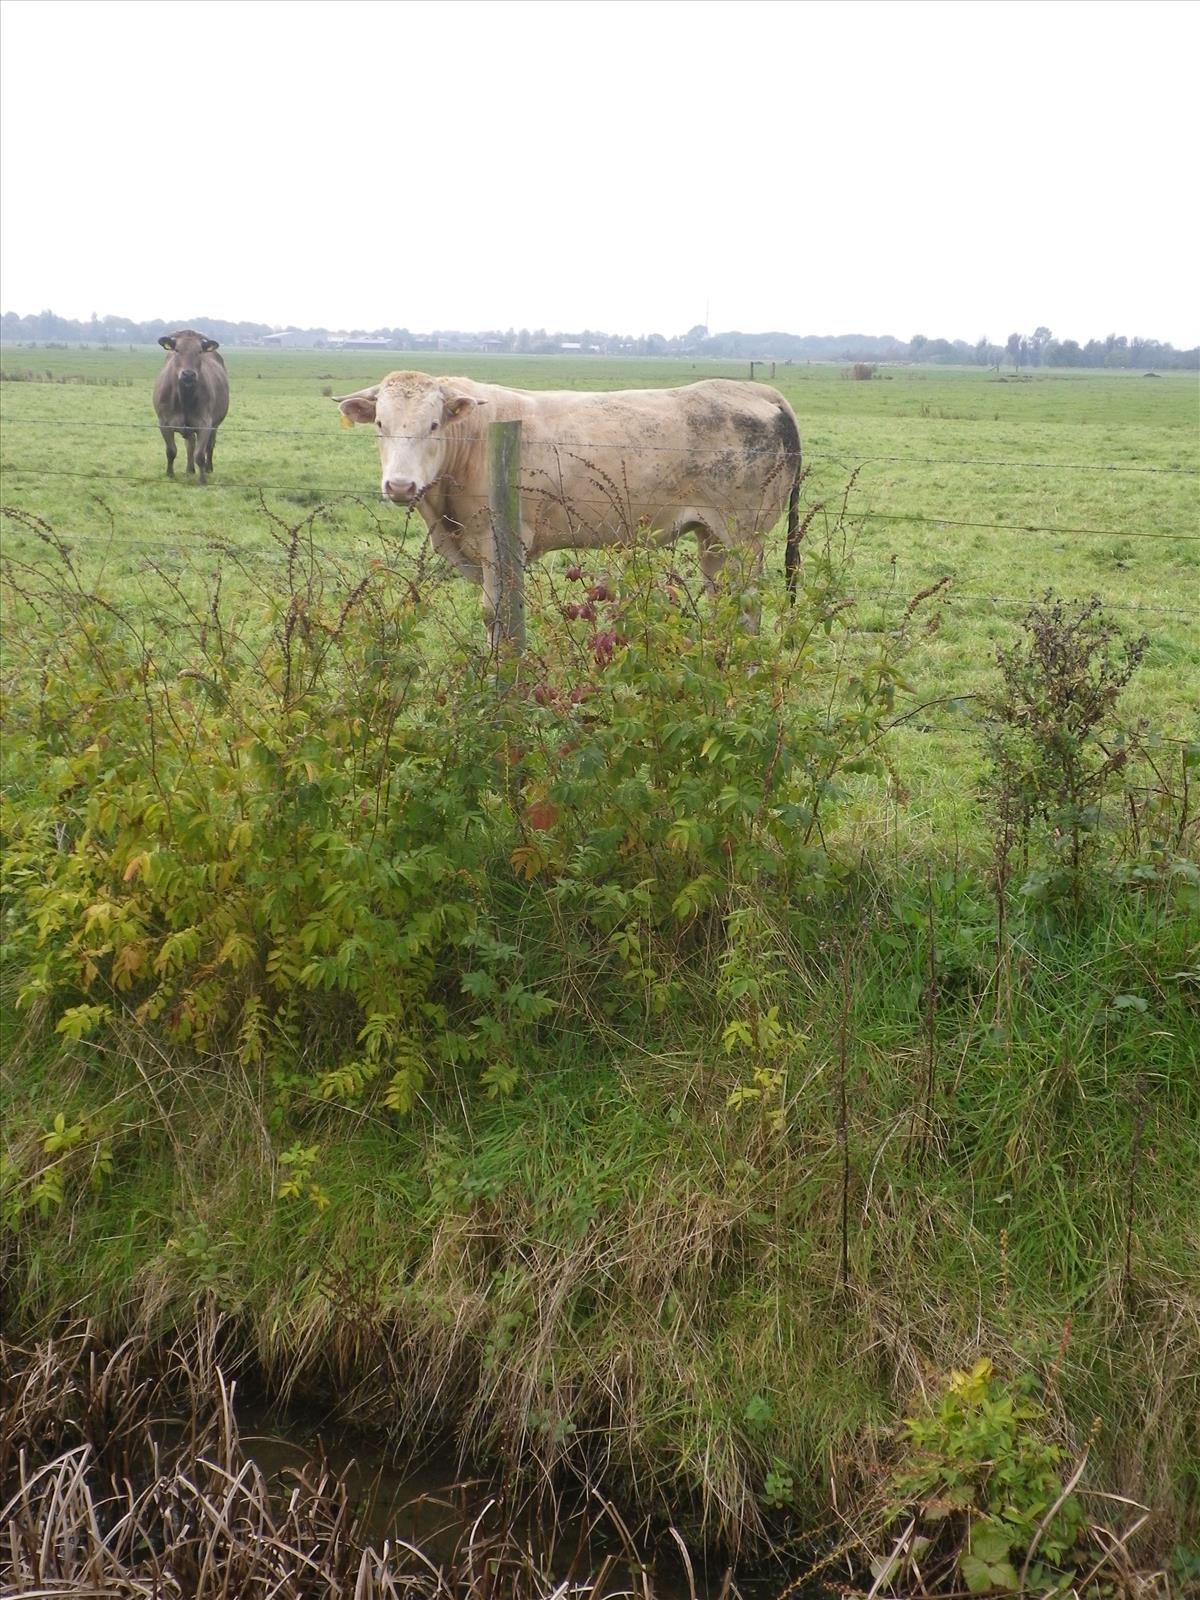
(105, 1497)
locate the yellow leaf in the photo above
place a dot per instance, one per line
(528, 860)
(239, 837)
(127, 963)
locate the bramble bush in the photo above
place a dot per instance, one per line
(260, 839)
(674, 764)
(315, 839)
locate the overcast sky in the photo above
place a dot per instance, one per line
(957, 169)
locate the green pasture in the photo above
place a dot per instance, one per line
(1087, 483)
(669, 1069)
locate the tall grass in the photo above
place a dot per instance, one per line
(554, 1058)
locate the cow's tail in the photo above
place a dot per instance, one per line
(791, 550)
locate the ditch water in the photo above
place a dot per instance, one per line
(149, 1469)
(430, 1505)
(433, 1506)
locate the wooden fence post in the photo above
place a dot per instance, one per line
(504, 502)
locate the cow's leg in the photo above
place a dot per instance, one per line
(169, 440)
(203, 450)
(212, 439)
(744, 556)
(448, 545)
(712, 558)
(189, 435)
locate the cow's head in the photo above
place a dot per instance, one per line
(187, 346)
(413, 416)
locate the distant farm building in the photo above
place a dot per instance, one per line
(290, 339)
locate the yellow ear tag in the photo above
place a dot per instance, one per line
(347, 422)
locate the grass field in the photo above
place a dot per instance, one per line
(631, 1072)
(1105, 467)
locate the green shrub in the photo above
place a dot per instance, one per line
(334, 843)
(1056, 750)
(982, 1486)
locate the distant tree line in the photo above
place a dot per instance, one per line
(1041, 349)
(1037, 349)
(48, 326)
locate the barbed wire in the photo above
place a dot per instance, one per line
(331, 497)
(1015, 527)
(216, 547)
(951, 594)
(973, 461)
(236, 430)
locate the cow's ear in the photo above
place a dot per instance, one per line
(458, 404)
(209, 344)
(359, 407)
(167, 341)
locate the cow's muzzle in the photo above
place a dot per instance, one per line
(400, 491)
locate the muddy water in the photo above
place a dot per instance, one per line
(430, 1505)
(433, 1507)
(138, 1462)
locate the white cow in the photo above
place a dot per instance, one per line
(720, 459)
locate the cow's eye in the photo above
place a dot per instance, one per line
(433, 427)
(379, 425)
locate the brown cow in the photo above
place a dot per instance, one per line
(718, 458)
(191, 397)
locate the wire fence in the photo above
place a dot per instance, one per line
(850, 461)
(334, 497)
(957, 721)
(216, 548)
(956, 727)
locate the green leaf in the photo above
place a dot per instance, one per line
(1129, 1002)
(884, 1569)
(500, 1079)
(990, 1542)
(758, 1411)
(977, 1575)
(81, 1020)
(480, 985)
